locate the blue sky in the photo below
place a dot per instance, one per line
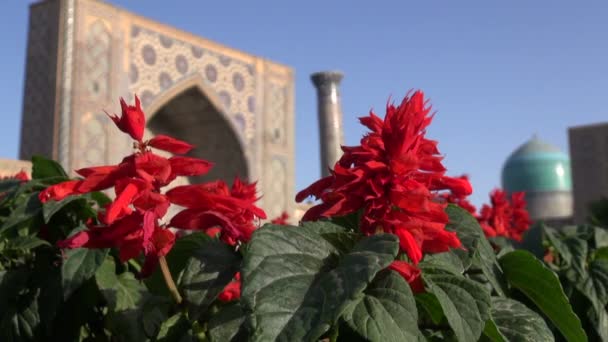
(496, 72)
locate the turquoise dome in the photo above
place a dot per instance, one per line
(537, 166)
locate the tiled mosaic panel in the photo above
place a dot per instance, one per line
(159, 62)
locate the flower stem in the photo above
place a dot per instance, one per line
(169, 280)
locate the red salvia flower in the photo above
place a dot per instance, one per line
(132, 120)
(502, 218)
(392, 177)
(214, 205)
(131, 221)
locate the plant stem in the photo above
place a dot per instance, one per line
(169, 280)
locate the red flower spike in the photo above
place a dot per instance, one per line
(212, 205)
(502, 218)
(169, 144)
(132, 120)
(392, 177)
(410, 273)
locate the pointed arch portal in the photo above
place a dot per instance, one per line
(191, 116)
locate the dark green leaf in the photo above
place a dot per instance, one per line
(601, 253)
(527, 274)
(79, 266)
(555, 239)
(333, 233)
(447, 261)
(24, 211)
(176, 260)
(465, 303)
(176, 329)
(492, 333)
(207, 272)
(431, 306)
(46, 168)
(20, 321)
(100, 198)
(516, 322)
(478, 252)
(50, 208)
(227, 324)
(296, 286)
(26, 242)
(386, 312)
(350, 221)
(123, 292)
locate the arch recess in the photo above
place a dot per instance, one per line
(191, 111)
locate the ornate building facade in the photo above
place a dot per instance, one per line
(237, 109)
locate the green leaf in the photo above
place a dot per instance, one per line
(295, 284)
(20, 322)
(561, 247)
(516, 322)
(465, 303)
(176, 329)
(100, 198)
(227, 324)
(50, 208)
(79, 266)
(601, 253)
(123, 292)
(527, 274)
(446, 261)
(333, 233)
(593, 284)
(24, 211)
(176, 260)
(478, 251)
(46, 168)
(386, 312)
(26, 242)
(492, 333)
(207, 272)
(431, 306)
(350, 221)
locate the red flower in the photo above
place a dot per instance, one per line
(459, 199)
(392, 177)
(213, 205)
(232, 291)
(502, 218)
(130, 221)
(281, 220)
(132, 121)
(169, 144)
(410, 273)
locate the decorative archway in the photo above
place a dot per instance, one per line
(190, 112)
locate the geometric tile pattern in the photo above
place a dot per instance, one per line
(159, 61)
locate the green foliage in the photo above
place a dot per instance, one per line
(527, 274)
(579, 254)
(513, 321)
(296, 284)
(321, 280)
(386, 311)
(209, 269)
